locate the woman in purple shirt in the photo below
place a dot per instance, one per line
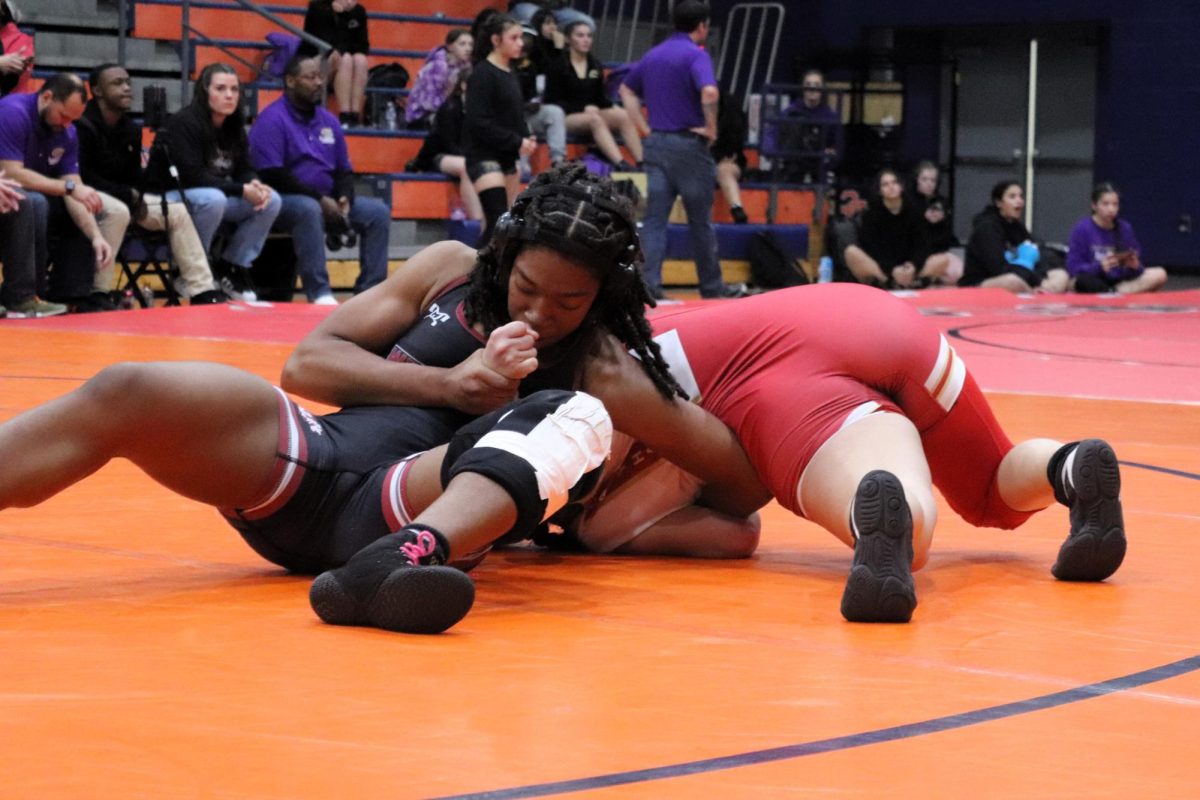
(1103, 255)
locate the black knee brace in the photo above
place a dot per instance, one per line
(545, 450)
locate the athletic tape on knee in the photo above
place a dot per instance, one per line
(544, 450)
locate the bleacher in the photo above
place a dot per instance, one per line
(404, 31)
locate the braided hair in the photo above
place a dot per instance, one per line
(588, 234)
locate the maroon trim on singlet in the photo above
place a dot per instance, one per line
(291, 454)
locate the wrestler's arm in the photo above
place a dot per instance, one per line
(697, 532)
(677, 430)
(343, 361)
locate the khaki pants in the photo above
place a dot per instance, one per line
(112, 220)
(195, 276)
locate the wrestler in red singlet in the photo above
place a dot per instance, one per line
(787, 369)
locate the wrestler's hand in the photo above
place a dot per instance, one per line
(512, 350)
(489, 378)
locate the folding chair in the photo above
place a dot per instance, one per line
(148, 253)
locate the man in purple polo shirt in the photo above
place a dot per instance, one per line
(298, 149)
(40, 151)
(675, 79)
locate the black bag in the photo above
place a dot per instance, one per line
(771, 266)
(385, 76)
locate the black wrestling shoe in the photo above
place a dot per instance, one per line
(397, 583)
(880, 587)
(1088, 481)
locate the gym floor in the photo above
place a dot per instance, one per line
(148, 653)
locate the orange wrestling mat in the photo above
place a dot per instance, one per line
(148, 653)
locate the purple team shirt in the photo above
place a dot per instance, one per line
(1089, 244)
(24, 138)
(311, 149)
(669, 79)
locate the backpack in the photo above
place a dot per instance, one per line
(284, 47)
(385, 76)
(771, 266)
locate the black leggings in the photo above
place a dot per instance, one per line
(495, 203)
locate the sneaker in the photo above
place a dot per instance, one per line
(325, 300)
(36, 307)
(237, 285)
(1089, 483)
(211, 297)
(396, 583)
(733, 291)
(739, 215)
(880, 587)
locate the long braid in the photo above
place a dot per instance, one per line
(585, 233)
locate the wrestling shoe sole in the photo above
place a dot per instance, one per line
(1096, 545)
(410, 600)
(880, 586)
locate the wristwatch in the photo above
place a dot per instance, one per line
(69, 186)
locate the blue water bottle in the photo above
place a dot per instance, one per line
(825, 270)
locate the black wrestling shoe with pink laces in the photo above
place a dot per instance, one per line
(880, 587)
(396, 583)
(1087, 480)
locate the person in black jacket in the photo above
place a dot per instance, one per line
(442, 150)
(496, 132)
(892, 249)
(343, 24)
(939, 223)
(110, 158)
(206, 143)
(1001, 252)
(575, 82)
(728, 152)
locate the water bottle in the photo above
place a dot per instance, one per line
(147, 296)
(825, 270)
(389, 116)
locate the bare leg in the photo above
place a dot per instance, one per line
(206, 431)
(864, 268)
(512, 187)
(590, 122)
(1151, 280)
(1022, 479)
(456, 166)
(1056, 281)
(333, 68)
(728, 176)
(1009, 282)
(358, 82)
(880, 441)
(935, 267)
(343, 82)
(618, 120)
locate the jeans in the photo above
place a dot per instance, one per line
(210, 207)
(18, 254)
(60, 246)
(550, 122)
(301, 217)
(680, 164)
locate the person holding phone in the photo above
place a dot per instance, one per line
(1103, 255)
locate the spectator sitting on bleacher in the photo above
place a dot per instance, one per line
(206, 143)
(343, 24)
(300, 150)
(442, 150)
(78, 229)
(548, 41)
(16, 52)
(544, 119)
(892, 249)
(438, 77)
(558, 10)
(575, 82)
(110, 158)
(820, 132)
(18, 257)
(729, 154)
(496, 132)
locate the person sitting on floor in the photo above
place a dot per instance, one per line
(110, 158)
(1103, 255)
(1001, 251)
(892, 250)
(299, 149)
